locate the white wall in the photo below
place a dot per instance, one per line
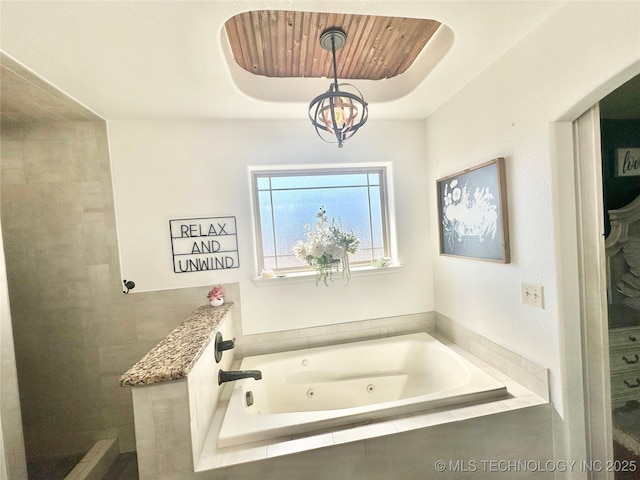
(166, 170)
(509, 110)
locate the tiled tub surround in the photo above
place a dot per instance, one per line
(479, 440)
(514, 428)
(296, 339)
(528, 374)
(182, 364)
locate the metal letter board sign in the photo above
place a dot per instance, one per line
(203, 244)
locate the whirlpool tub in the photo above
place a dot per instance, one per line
(303, 391)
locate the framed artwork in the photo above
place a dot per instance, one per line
(472, 213)
(627, 162)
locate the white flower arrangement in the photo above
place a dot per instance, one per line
(327, 248)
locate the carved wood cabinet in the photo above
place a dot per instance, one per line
(624, 363)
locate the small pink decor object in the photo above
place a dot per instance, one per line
(216, 296)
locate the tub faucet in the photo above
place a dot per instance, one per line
(230, 376)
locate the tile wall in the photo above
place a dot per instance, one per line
(510, 445)
(12, 452)
(515, 366)
(172, 418)
(203, 388)
(75, 332)
(296, 339)
(467, 449)
(162, 430)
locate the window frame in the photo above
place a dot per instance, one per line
(386, 207)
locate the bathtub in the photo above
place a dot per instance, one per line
(303, 391)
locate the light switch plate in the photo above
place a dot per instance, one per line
(532, 295)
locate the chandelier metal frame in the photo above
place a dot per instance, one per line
(337, 114)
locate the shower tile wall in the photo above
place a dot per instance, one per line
(75, 332)
(60, 247)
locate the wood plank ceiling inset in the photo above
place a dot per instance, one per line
(278, 43)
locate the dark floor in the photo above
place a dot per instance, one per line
(52, 469)
(125, 467)
(628, 460)
(627, 419)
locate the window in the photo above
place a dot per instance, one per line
(286, 200)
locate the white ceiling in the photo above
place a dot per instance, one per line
(167, 59)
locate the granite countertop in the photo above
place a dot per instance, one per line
(175, 355)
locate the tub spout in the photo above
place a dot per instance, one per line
(230, 376)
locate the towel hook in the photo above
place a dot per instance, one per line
(129, 285)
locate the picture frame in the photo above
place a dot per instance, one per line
(627, 162)
(472, 213)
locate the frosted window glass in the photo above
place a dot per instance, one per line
(266, 225)
(263, 183)
(287, 201)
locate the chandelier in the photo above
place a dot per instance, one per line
(337, 114)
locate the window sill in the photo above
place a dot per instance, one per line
(310, 277)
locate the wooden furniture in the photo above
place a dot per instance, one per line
(624, 358)
(624, 316)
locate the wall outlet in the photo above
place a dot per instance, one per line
(532, 295)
